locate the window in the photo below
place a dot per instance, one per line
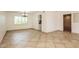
(20, 20)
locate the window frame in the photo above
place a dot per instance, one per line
(21, 23)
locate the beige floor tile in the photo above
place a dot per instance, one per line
(50, 44)
(35, 39)
(42, 40)
(59, 45)
(31, 44)
(57, 41)
(41, 45)
(69, 45)
(75, 41)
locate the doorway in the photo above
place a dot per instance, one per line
(40, 22)
(67, 22)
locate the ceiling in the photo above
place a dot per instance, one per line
(17, 11)
(20, 11)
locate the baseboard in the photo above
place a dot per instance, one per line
(17, 29)
(23, 29)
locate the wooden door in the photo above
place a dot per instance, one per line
(67, 22)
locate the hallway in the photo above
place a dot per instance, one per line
(35, 39)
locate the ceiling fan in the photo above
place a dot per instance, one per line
(24, 14)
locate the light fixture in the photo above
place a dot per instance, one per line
(43, 11)
(24, 14)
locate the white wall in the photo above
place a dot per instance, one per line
(75, 23)
(49, 21)
(35, 20)
(2, 25)
(12, 26)
(34, 17)
(53, 20)
(31, 23)
(74, 20)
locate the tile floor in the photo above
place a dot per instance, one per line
(36, 39)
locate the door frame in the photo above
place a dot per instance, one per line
(70, 22)
(40, 19)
